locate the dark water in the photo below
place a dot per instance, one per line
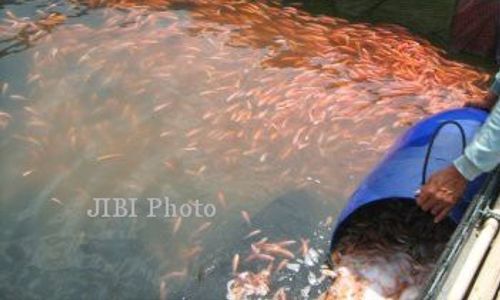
(425, 17)
(216, 103)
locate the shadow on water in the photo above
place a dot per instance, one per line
(294, 216)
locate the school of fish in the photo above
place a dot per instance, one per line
(208, 94)
(385, 252)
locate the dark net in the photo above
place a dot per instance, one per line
(476, 27)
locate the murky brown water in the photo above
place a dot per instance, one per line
(231, 103)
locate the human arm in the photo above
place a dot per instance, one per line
(446, 187)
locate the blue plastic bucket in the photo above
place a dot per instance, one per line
(399, 175)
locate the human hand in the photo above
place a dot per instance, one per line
(441, 192)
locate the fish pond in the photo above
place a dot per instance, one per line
(205, 123)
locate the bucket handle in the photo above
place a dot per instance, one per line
(433, 138)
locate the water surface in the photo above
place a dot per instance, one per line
(233, 104)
